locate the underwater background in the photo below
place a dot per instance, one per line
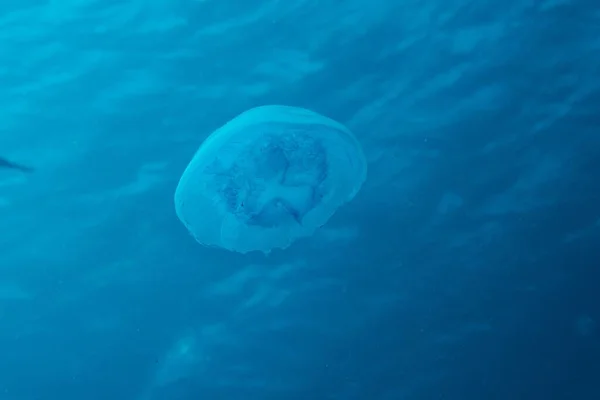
(467, 267)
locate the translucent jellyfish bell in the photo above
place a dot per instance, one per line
(271, 175)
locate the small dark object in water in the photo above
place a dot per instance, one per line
(4, 163)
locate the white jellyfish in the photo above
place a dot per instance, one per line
(271, 175)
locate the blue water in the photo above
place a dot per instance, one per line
(466, 268)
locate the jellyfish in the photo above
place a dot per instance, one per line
(268, 177)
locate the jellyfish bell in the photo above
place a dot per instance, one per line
(268, 177)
